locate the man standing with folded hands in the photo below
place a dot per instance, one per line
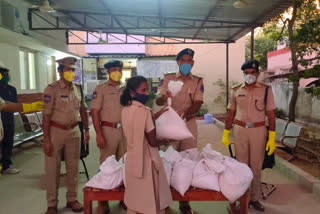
(106, 116)
(63, 104)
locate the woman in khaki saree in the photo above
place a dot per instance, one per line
(147, 190)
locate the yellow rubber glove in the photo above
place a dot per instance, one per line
(36, 106)
(271, 144)
(225, 137)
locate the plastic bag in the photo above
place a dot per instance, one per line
(161, 153)
(181, 177)
(175, 87)
(235, 179)
(171, 155)
(170, 126)
(206, 174)
(110, 175)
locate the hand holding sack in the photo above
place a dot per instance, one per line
(170, 126)
(174, 87)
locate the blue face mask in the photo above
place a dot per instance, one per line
(142, 98)
(185, 68)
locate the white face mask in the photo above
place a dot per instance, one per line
(249, 78)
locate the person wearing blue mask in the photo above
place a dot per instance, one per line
(186, 103)
(145, 178)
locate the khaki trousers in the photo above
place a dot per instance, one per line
(115, 143)
(250, 149)
(69, 140)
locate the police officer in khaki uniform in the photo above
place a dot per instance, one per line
(247, 111)
(106, 116)
(187, 102)
(63, 103)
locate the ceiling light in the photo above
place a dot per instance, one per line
(45, 7)
(240, 4)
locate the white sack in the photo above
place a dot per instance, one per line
(170, 126)
(206, 174)
(209, 153)
(171, 155)
(175, 87)
(192, 154)
(235, 179)
(181, 176)
(110, 175)
(122, 162)
(168, 169)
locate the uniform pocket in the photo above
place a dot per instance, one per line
(258, 102)
(62, 103)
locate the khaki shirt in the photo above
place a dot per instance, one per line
(106, 99)
(192, 90)
(2, 104)
(63, 102)
(249, 104)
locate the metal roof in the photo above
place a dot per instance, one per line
(214, 20)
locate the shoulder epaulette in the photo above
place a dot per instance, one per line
(236, 86)
(265, 84)
(77, 84)
(54, 84)
(101, 83)
(170, 72)
(197, 75)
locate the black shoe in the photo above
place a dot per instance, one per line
(186, 209)
(256, 205)
(104, 207)
(122, 205)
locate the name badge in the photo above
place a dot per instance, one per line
(241, 95)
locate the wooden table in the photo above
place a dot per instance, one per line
(193, 194)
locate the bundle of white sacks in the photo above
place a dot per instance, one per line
(206, 170)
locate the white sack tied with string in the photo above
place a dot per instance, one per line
(171, 126)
